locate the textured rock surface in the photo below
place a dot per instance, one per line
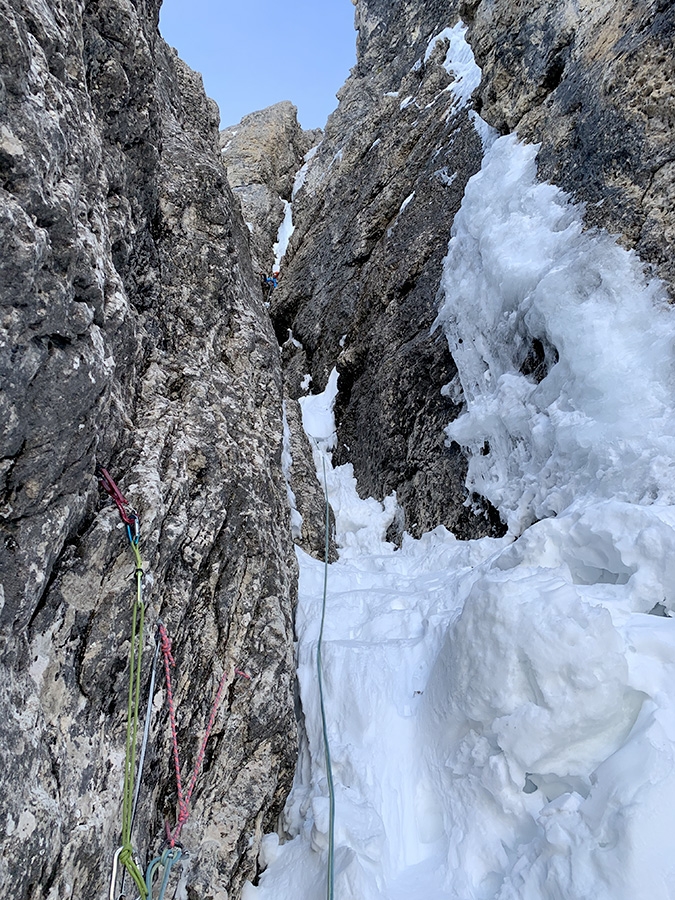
(262, 154)
(594, 82)
(133, 334)
(372, 225)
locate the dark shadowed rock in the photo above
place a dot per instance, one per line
(373, 220)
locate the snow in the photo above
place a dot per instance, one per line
(286, 229)
(444, 176)
(486, 133)
(459, 62)
(407, 200)
(501, 712)
(301, 175)
(602, 419)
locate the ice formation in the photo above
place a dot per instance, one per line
(502, 712)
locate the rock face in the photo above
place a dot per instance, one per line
(595, 84)
(262, 154)
(133, 335)
(373, 219)
(592, 82)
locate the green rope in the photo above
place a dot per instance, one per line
(329, 771)
(135, 659)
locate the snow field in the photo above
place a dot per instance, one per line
(502, 712)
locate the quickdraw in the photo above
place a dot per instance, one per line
(173, 851)
(125, 853)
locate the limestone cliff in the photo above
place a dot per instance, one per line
(373, 218)
(591, 82)
(262, 154)
(133, 335)
(595, 84)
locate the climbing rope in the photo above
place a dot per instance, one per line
(185, 798)
(330, 882)
(172, 852)
(125, 854)
(146, 730)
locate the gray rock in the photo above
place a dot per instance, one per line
(262, 154)
(596, 86)
(134, 335)
(359, 291)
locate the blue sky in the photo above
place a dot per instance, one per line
(253, 53)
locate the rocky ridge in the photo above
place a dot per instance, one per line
(262, 154)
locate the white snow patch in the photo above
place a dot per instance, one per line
(301, 175)
(286, 229)
(487, 134)
(405, 203)
(444, 176)
(459, 61)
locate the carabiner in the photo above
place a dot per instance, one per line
(113, 876)
(167, 859)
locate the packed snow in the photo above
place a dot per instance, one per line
(301, 176)
(501, 712)
(284, 234)
(459, 62)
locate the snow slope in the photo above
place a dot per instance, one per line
(502, 712)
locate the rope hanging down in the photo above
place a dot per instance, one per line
(125, 854)
(172, 852)
(184, 798)
(330, 883)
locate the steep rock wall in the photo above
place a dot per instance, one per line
(595, 84)
(592, 82)
(262, 154)
(133, 335)
(359, 287)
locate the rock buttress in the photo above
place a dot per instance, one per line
(262, 154)
(359, 287)
(133, 335)
(594, 83)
